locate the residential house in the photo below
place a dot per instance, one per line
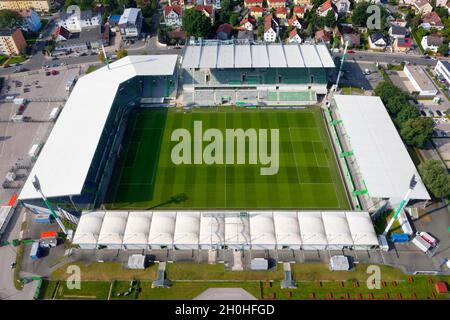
(214, 3)
(281, 13)
(402, 44)
(271, 29)
(303, 3)
(130, 23)
(276, 4)
(75, 21)
(207, 11)
(324, 8)
(294, 22)
(299, 11)
(113, 20)
(441, 3)
(422, 6)
(342, 6)
(431, 42)
(224, 31)
(37, 5)
(12, 42)
(397, 32)
(247, 24)
(81, 42)
(443, 70)
(294, 36)
(399, 22)
(323, 36)
(188, 4)
(173, 16)
(253, 3)
(353, 39)
(377, 41)
(61, 34)
(256, 12)
(431, 20)
(30, 20)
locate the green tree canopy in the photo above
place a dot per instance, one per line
(415, 132)
(406, 113)
(9, 19)
(196, 23)
(121, 53)
(435, 177)
(330, 19)
(443, 49)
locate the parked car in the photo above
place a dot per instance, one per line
(423, 113)
(350, 51)
(54, 72)
(440, 114)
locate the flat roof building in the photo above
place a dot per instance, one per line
(420, 80)
(442, 68)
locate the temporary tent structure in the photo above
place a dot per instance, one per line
(262, 230)
(187, 231)
(137, 230)
(362, 230)
(337, 230)
(312, 230)
(113, 228)
(212, 230)
(237, 230)
(162, 230)
(88, 230)
(287, 230)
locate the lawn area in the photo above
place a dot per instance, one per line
(17, 59)
(187, 271)
(106, 271)
(91, 69)
(146, 177)
(352, 90)
(3, 59)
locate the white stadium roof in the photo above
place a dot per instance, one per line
(138, 227)
(277, 55)
(113, 228)
(311, 228)
(262, 228)
(237, 230)
(212, 229)
(336, 228)
(65, 159)
(162, 228)
(382, 158)
(187, 228)
(287, 228)
(88, 228)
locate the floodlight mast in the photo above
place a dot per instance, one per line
(105, 56)
(342, 64)
(412, 184)
(37, 187)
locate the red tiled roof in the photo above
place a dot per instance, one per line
(253, 1)
(276, 1)
(225, 27)
(281, 11)
(291, 20)
(432, 18)
(298, 9)
(268, 22)
(208, 9)
(293, 33)
(323, 35)
(257, 9)
(404, 43)
(325, 6)
(168, 9)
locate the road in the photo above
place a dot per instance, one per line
(7, 256)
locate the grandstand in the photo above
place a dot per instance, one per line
(280, 73)
(75, 164)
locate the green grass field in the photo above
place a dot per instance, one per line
(145, 176)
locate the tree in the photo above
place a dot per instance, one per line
(360, 15)
(260, 27)
(101, 57)
(435, 177)
(9, 19)
(443, 49)
(396, 103)
(407, 112)
(330, 19)
(196, 23)
(121, 53)
(415, 132)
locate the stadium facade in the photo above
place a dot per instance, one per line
(75, 165)
(243, 72)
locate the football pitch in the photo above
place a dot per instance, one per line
(145, 176)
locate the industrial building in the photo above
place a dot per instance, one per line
(200, 230)
(420, 80)
(376, 164)
(273, 73)
(75, 164)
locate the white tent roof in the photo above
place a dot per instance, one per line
(311, 228)
(361, 228)
(88, 228)
(212, 228)
(65, 159)
(219, 55)
(336, 228)
(187, 228)
(262, 227)
(162, 228)
(113, 227)
(237, 230)
(138, 227)
(380, 153)
(287, 229)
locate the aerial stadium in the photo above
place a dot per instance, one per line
(109, 160)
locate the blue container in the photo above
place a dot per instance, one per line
(43, 218)
(399, 237)
(35, 252)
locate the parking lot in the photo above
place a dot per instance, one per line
(354, 74)
(43, 93)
